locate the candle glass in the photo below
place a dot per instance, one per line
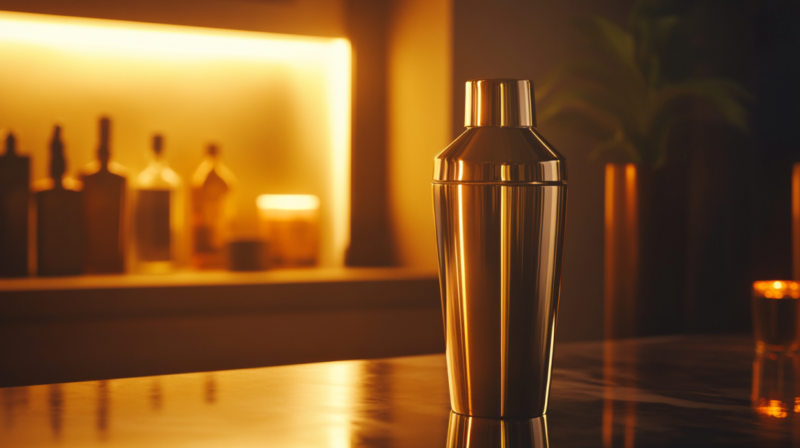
(290, 226)
(775, 315)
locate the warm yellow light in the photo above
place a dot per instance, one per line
(92, 35)
(287, 202)
(777, 289)
(772, 408)
(155, 75)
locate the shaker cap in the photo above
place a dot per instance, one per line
(500, 144)
(499, 102)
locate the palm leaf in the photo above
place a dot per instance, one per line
(619, 145)
(599, 103)
(622, 100)
(609, 40)
(725, 97)
(590, 123)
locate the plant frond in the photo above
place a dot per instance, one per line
(659, 140)
(600, 103)
(581, 119)
(609, 40)
(587, 72)
(651, 34)
(725, 97)
(618, 146)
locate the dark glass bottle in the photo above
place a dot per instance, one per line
(104, 191)
(14, 199)
(59, 219)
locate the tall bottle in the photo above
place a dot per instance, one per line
(104, 190)
(157, 213)
(212, 210)
(59, 218)
(14, 200)
(500, 196)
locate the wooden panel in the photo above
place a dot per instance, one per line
(93, 329)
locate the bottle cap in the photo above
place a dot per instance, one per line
(58, 162)
(104, 149)
(499, 102)
(158, 144)
(212, 150)
(11, 145)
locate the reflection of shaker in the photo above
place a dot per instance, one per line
(477, 432)
(500, 203)
(776, 384)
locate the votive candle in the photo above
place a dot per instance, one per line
(290, 225)
(776, 315)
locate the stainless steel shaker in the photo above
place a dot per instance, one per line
(500, 197)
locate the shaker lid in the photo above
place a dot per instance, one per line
(499, 102)
(500, 145)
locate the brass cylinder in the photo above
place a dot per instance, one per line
(500, 197)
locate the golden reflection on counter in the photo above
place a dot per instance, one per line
(103, 408)
(14, 399)
(345, 404)
(618, 374)
(56, 402)
(156, 394)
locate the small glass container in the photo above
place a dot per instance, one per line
(776, 315)
(290, 225)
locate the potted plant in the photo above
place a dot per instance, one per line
(623, 98)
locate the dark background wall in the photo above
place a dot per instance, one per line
(724, 196)
(720, 209)
(527, 39)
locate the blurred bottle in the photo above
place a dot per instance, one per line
(157, 214)
(104, 186)
(212, 210)
(59, 218)
(14, 194)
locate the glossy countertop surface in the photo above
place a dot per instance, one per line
(678, 391)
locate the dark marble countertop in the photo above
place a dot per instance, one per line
(677, 391)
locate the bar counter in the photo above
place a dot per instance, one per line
(676, 391)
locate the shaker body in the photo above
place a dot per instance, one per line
(500, 252)
(500, 199)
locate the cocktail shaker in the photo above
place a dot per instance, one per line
(500, 197)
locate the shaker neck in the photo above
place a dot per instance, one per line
(499, 102)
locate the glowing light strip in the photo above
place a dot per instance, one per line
(118, 37)
(287, 202)
(340, 89)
